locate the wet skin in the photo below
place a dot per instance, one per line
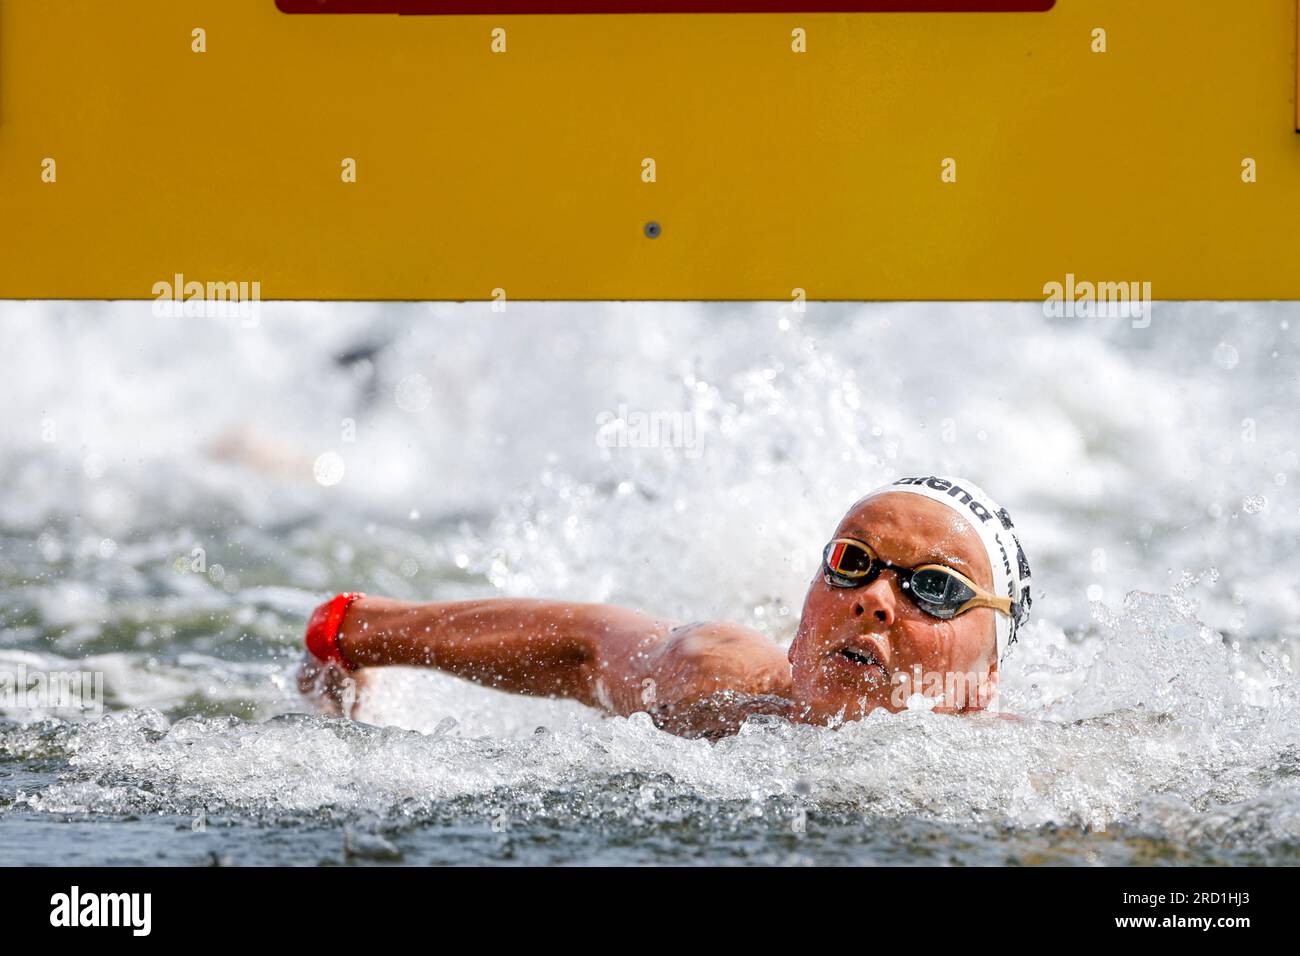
(855, 648)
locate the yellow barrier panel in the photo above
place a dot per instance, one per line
(873, 155)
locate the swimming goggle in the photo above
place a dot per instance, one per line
(938, 591)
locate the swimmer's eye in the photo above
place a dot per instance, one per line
(849, 564)
(939, 592)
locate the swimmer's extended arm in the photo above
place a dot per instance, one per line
(542, 648)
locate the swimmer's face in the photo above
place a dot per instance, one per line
(862, 648)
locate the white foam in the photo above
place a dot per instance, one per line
(1122, 454)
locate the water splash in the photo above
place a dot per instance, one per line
(1156, 726)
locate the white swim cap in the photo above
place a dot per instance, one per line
(993, 524)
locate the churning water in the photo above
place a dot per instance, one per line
(177, 495)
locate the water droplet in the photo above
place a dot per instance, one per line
(413, 393)
(1225, 356)
(1254, 504)
(329, 468)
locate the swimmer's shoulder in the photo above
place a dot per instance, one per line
(720, 655)
(713, 638)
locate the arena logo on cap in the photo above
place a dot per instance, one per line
(960, 493)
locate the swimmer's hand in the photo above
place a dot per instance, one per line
(332, 689)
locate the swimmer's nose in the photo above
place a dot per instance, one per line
(876, 601)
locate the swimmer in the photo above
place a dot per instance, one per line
(921, 590)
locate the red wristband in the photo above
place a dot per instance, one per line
(323, 630)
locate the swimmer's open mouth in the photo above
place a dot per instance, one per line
(865, 657)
